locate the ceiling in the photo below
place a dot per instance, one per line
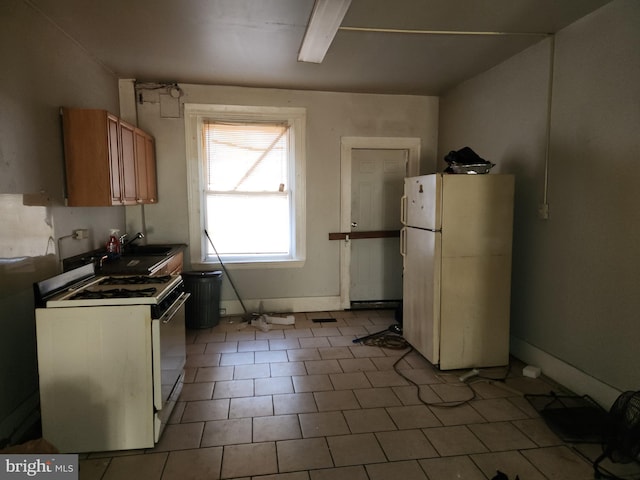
(255, 42)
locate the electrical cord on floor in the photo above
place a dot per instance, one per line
(390, 341)
(396, 342)
(497, 379)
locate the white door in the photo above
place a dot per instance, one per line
(377, 181)
(348, 146)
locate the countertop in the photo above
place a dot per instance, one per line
(125, 265)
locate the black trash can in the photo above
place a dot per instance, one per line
(203, 306)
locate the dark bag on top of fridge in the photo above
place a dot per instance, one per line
(467, 161)
(464, 156)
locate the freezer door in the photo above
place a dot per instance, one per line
(421, 292)
(423, 202)
(477, 215)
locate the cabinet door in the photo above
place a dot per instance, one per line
(173, 266)
(114, 160)
(141, 167)
(145, 168)
(128, 161)
(152, 182)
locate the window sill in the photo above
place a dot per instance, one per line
(256, 265)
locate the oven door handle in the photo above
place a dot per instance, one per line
(168, 315)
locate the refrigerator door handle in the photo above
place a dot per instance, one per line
(403, 242)
(403, 210)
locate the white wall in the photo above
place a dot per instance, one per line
(329, 117)
(42, 70)
(575, 299)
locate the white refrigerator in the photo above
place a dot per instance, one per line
(456, 246)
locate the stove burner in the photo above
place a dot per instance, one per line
(113, 293)
(134, 280)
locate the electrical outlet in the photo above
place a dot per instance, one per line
(81, 234)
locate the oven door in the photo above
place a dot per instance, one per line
(169, 357)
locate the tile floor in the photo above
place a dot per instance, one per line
(304, 402)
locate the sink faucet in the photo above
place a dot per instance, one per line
(124, 244)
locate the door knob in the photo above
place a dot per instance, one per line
(354, 224)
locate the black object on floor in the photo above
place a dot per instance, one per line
(395, 328)
(502, 476)
(574, 419)
(622, 436)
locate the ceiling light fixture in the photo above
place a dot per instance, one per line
(325, 20)
(439, 32)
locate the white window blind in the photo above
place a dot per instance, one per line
(246, 157)
(247, 176)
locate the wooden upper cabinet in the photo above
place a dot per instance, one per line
(103, 160)
(147, 189)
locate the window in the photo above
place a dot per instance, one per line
(246, 183)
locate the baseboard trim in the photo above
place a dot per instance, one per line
(282, 305)
(565, 374)
(379, 305)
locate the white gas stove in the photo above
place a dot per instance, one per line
(111, 356)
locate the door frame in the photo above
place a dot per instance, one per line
(347, 145)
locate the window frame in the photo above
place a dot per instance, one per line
(195, 115)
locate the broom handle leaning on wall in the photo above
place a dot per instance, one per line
(226, 273)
